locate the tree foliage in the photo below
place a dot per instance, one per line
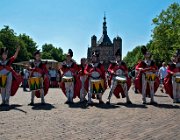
(10, 40)
(51, 52)
(165, 37)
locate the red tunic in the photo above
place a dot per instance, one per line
(80, 73)
(43, 70)
(138, 80)
(74, 69)
(16, 78)
(168, 79)
(113, 67)
(100, 69)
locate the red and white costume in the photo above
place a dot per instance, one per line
(171, 86)
(39, 70)
(118, 69)
(82, 77)
(13, 80)
(147, 88)
(94, 71)
(70, 89)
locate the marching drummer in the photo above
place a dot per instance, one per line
(172, 80)
(82, 78)
(69, 82)
(10, 80)
(147, 81)
(95, 83)
(39, 78)
(119, 80)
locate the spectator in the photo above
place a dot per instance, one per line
(52, 74)
(162, 75)
(25, 79)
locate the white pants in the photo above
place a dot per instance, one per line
(90, 92)
(82, 91)
(69, 87)
(41, 94)
(114, 84)
(144, 85)
(6, 92)
(176, 89)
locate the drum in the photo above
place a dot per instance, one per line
(35, 83)
(67, 79)
(150, 76)
(3, 80)
(97, 86)
(177, 79)
(121, 79)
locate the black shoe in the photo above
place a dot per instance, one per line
(101, 102)
(129, 102)
(31, 104)
(43, 103)
(144, 103)
(108, 102)
(71, 102)
(67, 102)
(153, 103)
(89, 104)
(136, 91)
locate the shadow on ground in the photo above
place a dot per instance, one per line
(45, 106)
(11, 107)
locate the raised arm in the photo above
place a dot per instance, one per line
(16, 53)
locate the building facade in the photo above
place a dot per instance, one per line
(105, 46)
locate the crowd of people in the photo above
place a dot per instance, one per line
(90, 79)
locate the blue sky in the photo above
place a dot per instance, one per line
(71, 23)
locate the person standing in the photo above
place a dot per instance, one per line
(119, 81)
(147, 81)
(172, 80)
(96, 81)
(10, 80)
(38, 70)
(82, 78)
(162, 75)
(69, 82)
(25, 79)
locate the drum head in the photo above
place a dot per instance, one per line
(120, 78)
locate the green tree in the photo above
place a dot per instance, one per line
(9, 40)
(133, 57)
(51, 52)
(29, 44)
(165, 37)
(166, 33)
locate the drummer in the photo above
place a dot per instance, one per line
(38, 69)
(119, 73)
(69, 82)
(12, 79)
(146, 86)
(95, 71)
(82, 78)
(172, 80)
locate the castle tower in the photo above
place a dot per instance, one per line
(117, 41)
(93, 41)
(104, 46)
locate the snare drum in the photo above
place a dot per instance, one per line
(177, 79)
(121, 79)
(150, 76)
(67, 79)
(97, 86)
(3, 80)
(35, 83)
